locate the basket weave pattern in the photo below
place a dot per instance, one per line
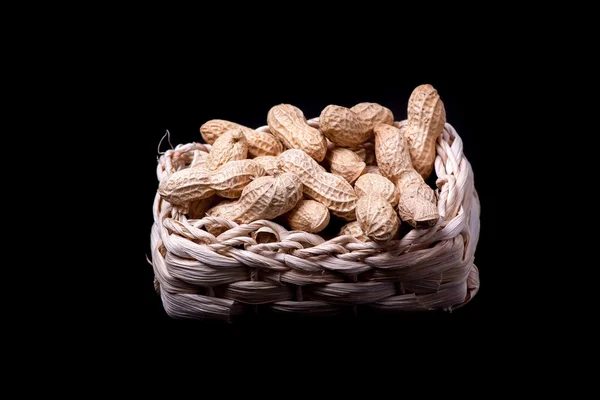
(200, 276)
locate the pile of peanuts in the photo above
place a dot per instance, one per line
(358, 166)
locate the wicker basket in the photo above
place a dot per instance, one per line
(200, 276)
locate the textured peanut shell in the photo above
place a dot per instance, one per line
(343, 127)
(231, 146)
(426, 120)
(229, 180)
(377, 218)
(350, 127)
(259, 143)
(353, 228)
(214, 128)
(373, 114)
(269, 163)
(227, 209)
(372, 169)
(377, 184)
(392, 162)
(417, 202)
(262, 143)
(268, 197)
(331, 190)
(344, 163)
(289, 125)
(308, 216)
(186, 186)
(199, 159)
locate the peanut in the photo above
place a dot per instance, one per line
(372, 169)
(199, 159)
(401, 125)
(192, 184)
(426, 120)
(329, 189)
(350, 127)
(227, 209)
(268, 197)
(377, 184)
(231, 146)
(308, 216)
(269, 163)
(186, 186)
(259, 143)
(345, 163)
(417, 202)
(373, 113)
(289, 125)
(229, 180)
(353, 228)
(391, 162)
(377, 218)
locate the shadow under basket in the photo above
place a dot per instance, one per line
(263, 268)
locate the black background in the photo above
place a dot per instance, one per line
(179, 95)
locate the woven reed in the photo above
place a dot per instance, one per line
(200, 276)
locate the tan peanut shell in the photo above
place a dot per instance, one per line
(259, 143)
(214, 128)
(268, 197)
(377, 218)
(262, 144)
(329, 189)
(401, 125)
(192, 184)
(350, 127)
(269, 163)
(373, 114)
(417, 202)
(230, 146)
(229, 180)
(372, 169)
(353, 228)
(426, 120)
(199, 159)
(308, 216)
(289, 125)
(344, 163)
(227, 209)
(392, 162)
(343, 127)
(377, 184)
(186, 186)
